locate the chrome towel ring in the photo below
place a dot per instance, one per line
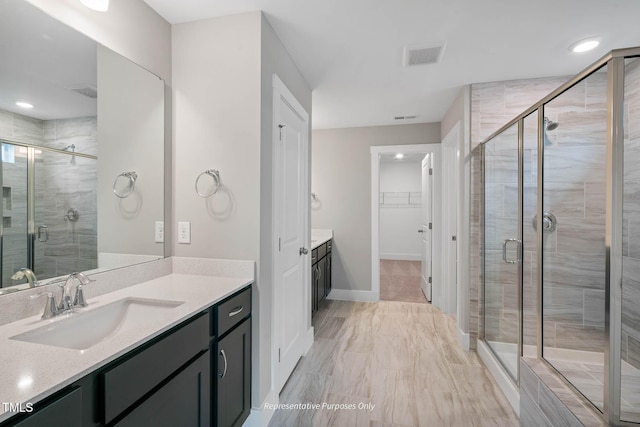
(215, 175)
(131, 176)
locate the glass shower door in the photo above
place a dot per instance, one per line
(502, 252)
(65, 217)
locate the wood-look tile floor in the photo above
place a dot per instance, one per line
(401, 358)
(400, 281)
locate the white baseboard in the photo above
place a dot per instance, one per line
(350, 295)
(308, 341)
(401, 257)
(260, 417)
(464, 339)
(510, 390)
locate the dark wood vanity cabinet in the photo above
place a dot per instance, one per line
(63, 409)
(180, 378)
(320, 274)
(231, 350)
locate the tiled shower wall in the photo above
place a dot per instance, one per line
(631, 218)
(62, 182)
(574, 162)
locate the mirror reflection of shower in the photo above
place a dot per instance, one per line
(72, 148)
(549, 125)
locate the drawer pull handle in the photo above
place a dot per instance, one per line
(224, 356)
(236, 310)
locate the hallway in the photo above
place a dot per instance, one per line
(400, 358)
(400, 281)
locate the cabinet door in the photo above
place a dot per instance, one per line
(314, 288)
(183, 401)
(322, 267)
(65, 411)
(327, 275)
(233, 377)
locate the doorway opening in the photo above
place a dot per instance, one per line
(402, 204)
(400, 258)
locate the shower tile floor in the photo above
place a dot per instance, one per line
(589, 379)
(400, 281)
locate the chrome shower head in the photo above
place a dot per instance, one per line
(550, 124)
(70, 147)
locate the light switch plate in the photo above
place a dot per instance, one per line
(159, 231)
(184, 232)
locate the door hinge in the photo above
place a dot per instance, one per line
(281, 126)
(279, 244)
(430, 226)
(454, 238)
(429, 279)
(278, 355)
(430, 171)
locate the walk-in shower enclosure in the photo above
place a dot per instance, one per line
(561, 237)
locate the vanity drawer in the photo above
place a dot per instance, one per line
(322, 251)
(329, 246)
(128, 381)
(232, 311)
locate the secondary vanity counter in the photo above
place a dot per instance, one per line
(320, 236)
(32, 371)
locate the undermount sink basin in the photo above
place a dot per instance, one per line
(83, 330)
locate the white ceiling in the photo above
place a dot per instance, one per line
(350, 51)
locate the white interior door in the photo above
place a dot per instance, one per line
(291, 203)
(450, 225)
(427, 220)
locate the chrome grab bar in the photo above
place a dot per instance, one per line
(504, 251)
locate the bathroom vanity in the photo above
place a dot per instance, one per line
(321, 248)
(179, 355)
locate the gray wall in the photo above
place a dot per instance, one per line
(130, 138)
(341, 178)
(222, 94)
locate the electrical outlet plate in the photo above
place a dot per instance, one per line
(159, 231)
(184, 232)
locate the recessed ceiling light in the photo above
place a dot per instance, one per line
(23, 104)
(399, 156)
(97, 5)
(584, 45)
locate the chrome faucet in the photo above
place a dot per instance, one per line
(66, 303)
(29, 274)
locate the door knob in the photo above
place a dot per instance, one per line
(304, 251)
(420, 231)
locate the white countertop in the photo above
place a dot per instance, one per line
(30, 372)
(320, 236)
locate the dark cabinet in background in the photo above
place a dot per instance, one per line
(320, 275)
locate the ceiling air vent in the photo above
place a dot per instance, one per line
(422, 55)
(88, 91)
(404, 117)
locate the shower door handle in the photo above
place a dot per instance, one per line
(504, 250)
